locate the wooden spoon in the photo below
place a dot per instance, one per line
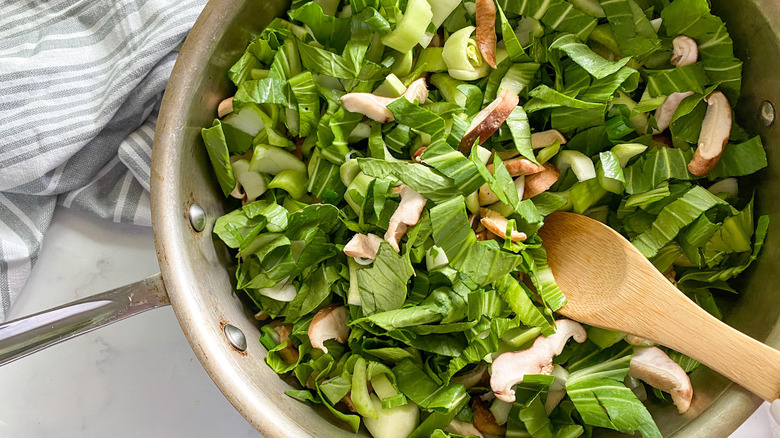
(610, 284)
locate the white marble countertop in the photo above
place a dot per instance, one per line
(135, 378)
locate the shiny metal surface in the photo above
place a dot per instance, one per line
(767, 113)
(197, 217)
(201, 290)
(186, 201)
(24, 336)
(235, 336)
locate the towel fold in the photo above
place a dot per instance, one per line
(80, 88)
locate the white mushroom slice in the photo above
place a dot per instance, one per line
(546, 138)
(686, 52)
(510, 368)
(375, 107)
(487, 121)
(519, 166)
(417, 90)
(486, 196)
(238, 192)
(462, 428)
(664, 113)
(636, 341)
(329, 323)
(473, 377)
(540, 182)
(406, 215)
(370, 105)
(557, 390)
(225, 107)
(496, 224)
(715, 131)
(653, 366)
(486, 31)
(363, 246)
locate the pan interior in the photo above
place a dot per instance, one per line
(195, 265)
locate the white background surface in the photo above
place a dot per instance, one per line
(135, 378)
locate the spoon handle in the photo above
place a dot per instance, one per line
(744, 360)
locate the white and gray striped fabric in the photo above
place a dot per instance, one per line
(80, 87)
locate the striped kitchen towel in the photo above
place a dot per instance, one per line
(80, 87)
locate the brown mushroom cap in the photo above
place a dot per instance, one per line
(715, 131)
(653, 366)
(510, 368)
(664, 113)
(329, 323)
(484, 420)
(486, 30)
(496, 224)
(225, 107)
(406, 215)
(540, 182)
(363, 246)
(289, 353)
(487, 121)
(686, 51)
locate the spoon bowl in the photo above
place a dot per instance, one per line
(609, 284)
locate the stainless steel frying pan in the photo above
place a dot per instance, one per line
(186, 201)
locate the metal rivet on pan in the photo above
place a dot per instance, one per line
(235, 336)
(197, 217)
(767, 113)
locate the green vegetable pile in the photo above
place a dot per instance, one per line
(406, 329)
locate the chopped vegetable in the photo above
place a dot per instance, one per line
(387, 200)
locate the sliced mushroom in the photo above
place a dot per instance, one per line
(485, 235)
(486, 30)
(473, 377)
(540, 182)
(329, 323)
(238, 193)
(664, 113)
(686, 52)
(225, 107)
(496, 224)
(546, 138)
(463, 429)
(519, 166)
(417, 91)
(510, 368)
(715, 131)
(653, 366)
(636, 341)
(486, 196)
(557, 390)
(487, 121)
(484, 420)
(349, 403)
(406, 215)
(289, 353)
(363, 246)
(375, 107)
(417, 155)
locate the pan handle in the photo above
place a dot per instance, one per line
(29, 334)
